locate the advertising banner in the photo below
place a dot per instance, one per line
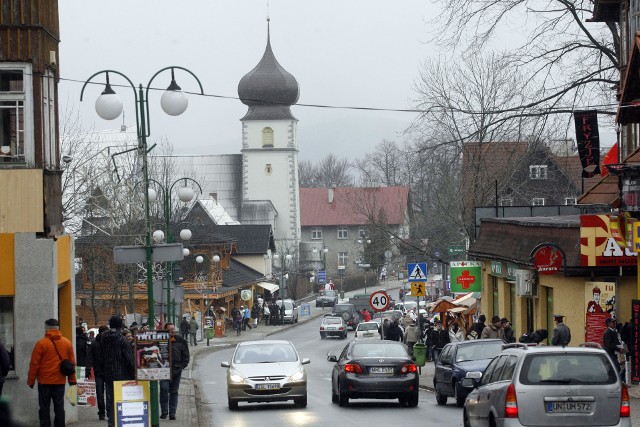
(634, 346)
(466, 276)
(152, 355)
(588, 141)
(598, 248)
(600, 304)
(131, 403)
(86, 388)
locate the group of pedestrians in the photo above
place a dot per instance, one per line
(189, 330)
(107, 358)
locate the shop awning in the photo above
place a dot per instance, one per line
(271, 287)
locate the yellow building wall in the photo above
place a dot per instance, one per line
(7, 267)
(22, 205)
(64, 250)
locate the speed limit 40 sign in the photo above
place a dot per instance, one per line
(379, 301)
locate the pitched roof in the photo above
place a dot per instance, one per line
(240, 274)
(251, 239)
(352, 205)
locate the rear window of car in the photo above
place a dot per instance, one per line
(329, 294)
(478, 351)
(368, 327)
(377, 350)
(341, 307)
(332, 320)
(568, 368)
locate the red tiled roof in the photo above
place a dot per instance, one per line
(352, 205)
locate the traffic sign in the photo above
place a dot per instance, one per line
(322, 277)
(379, 301)
(418, 289)
(417, 272)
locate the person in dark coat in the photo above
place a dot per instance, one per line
(179, 360)
(394, 333)
(562, 333)
(508, 330)
(611, 343)
(440, 339)
(427, 335)
(96, 370)
(5, 363)
(479, 326)
(116, 361)
(82, 346)
(184, 328)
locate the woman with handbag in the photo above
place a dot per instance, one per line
(52, 364)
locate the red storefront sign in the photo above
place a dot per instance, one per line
(547, 260)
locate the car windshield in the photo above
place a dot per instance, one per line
(332, 320)
(330, 294)
(377, 350)
(410, 305)
(478, 351)
(368, 327)
(265, 353)
(568, 368)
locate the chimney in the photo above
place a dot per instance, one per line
(330, 195)
(214, 197)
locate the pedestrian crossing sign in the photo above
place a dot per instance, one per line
(418, 289)
(417, 272)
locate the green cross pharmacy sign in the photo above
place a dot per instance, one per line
(466, 276)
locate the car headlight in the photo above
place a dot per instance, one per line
(236, 378)
(298, 376)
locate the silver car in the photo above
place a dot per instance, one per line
(547, 386)
(266, 371)
(290, 310)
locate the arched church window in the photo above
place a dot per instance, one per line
(267, 137)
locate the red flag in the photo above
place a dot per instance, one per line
(610, 159)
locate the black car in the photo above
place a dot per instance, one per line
(374, 369)
(458, 358)
(348, 313)
(327, 298)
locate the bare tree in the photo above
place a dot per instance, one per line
(330, 172)
(386, 166)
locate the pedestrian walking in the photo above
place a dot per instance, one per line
(266, 314)
(411, 336)
(179, 360)
(429, 340)
(247, 318)
(456, 333)
(5, 364)
(562, 333)
(193, 329)
(440, 339)
(476, 329)
(611, 343)
(394, 333)
(82, 346)
(255, 314)
(493, 330)
(116, 361)
(238, 320)
(184, 328)
(97, 373)
(45, 367)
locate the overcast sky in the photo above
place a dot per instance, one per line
(359, 53)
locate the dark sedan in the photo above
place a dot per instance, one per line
(456, 360)
(327, 298)
(374, 370)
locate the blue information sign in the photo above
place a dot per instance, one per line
(305, 309)
(322, 277)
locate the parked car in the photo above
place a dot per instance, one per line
(266, 371)
(327, 299)
(348, 313)
(333, 326)
(374, 370)
(456, 360)
(367, 330)
(544, 386)
(291, 310)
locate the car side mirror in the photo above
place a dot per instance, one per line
(306, 361)
(332, 357)
(225, 364)
(444, 362)
(468, 383)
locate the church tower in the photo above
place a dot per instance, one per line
(270, 190)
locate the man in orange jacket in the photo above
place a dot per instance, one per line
(45, 367)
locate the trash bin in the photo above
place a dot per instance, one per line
(219, 328)
(210, 333)
(420, 353)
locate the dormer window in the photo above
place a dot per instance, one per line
(538, 172)
(267, 137)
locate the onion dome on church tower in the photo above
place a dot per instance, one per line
(269, 90)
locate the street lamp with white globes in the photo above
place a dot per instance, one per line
(109, 107)
(363, 264)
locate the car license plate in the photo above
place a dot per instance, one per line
(368, 334)
(331, 328)
(268, 386)
(385, 370)
(566, 407)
